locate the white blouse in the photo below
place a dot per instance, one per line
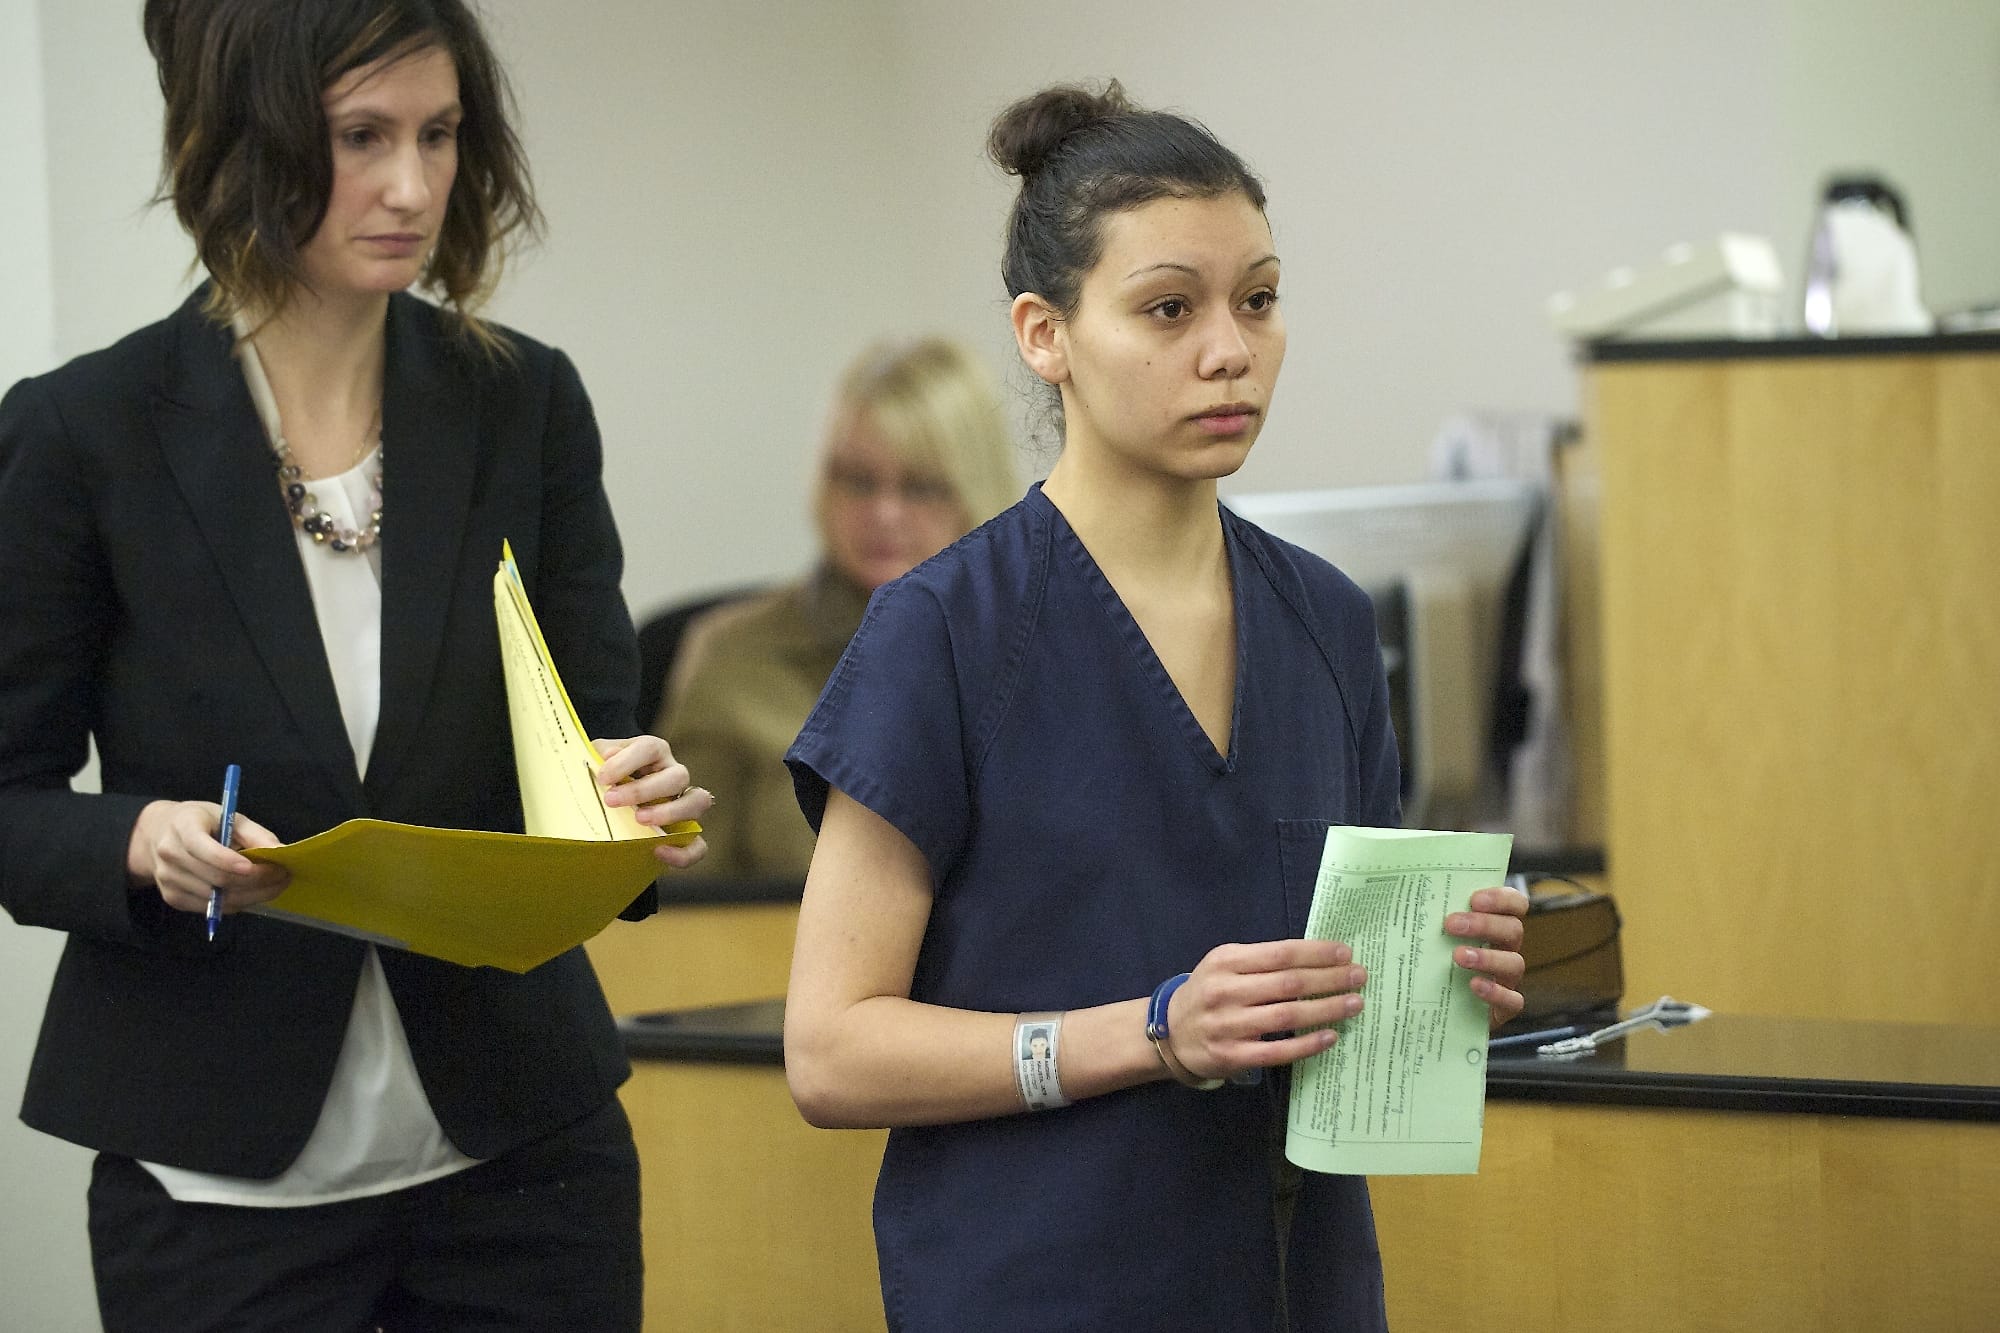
(377, 1132)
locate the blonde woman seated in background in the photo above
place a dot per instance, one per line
(917, 454)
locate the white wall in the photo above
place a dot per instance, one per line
(1436, 171)
(740, 196)
(1912, 91)
(44, 1257)
(721, 240)
(27, 290)
(724, 233)
(118, 263)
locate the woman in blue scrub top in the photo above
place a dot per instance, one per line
(1071, 780)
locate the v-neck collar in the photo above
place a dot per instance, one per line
(216, 449)
(1126, 626)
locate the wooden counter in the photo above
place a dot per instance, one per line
(1801, 662)
(1610, 1197)
(754, 1221)
(713, 941)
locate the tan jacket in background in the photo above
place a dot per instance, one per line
(747, 675)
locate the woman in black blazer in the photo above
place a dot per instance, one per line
(263, 531)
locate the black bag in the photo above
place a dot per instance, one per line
(1570, 944)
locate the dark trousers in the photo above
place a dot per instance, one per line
(546, 1237)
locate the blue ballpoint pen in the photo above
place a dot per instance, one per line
(232, 778)
(1532, 1038)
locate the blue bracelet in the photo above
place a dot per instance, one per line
(1156, 1012)
(1156, 1032)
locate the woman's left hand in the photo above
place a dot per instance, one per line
(1494, 927)
(641, 772)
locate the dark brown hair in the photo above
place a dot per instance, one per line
(248, 162)
(1082, 154)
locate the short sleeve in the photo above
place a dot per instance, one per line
(889, 729)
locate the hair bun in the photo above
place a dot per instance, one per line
(1029, 131)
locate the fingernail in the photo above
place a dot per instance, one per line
(1468, 957)
(1454, 923)
(1360, 975)
(1353, 1005)
(1343, 954)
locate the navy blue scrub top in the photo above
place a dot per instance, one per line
(1000, 707)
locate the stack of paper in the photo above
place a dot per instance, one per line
(509, 900)
(1403, 1091)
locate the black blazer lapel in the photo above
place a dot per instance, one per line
(430, 458)
(221, 463)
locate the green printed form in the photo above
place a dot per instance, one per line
(1403, 1092)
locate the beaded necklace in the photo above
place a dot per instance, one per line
(300, 501)
(304, 505)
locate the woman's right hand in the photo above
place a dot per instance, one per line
(1242, 993)
(173, 846)
(641, 771)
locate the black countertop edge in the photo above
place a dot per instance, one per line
(1528, 1084)
(678, 890)
(1577, 859)
(749, 1034)
(1610, 351)
(705, 891)
(745, 1034)
(1715, 1093)
(722, 1048)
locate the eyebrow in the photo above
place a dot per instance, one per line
(1191, 270)
(369, 112)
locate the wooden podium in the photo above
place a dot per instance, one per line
(1800, 601)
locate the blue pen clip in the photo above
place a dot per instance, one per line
(1509, 1041)
(232, 780)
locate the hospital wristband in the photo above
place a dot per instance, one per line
(1037, 1071)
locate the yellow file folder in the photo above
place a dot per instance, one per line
(511, 900)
